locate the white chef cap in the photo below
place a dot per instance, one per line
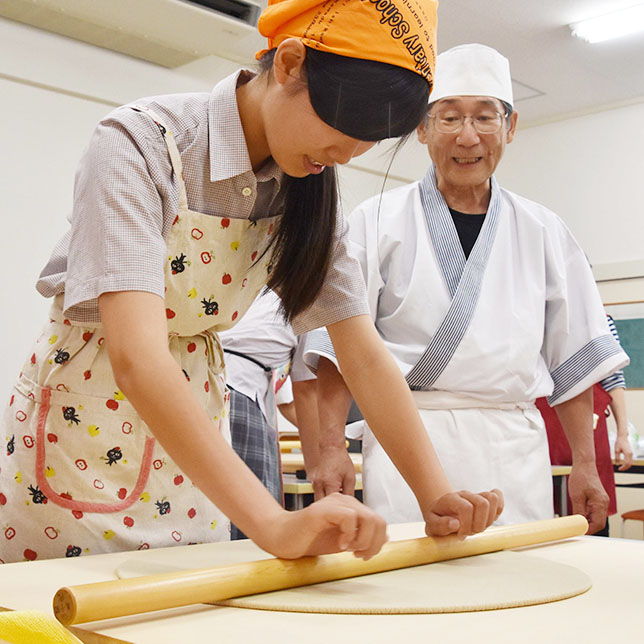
(472, 70)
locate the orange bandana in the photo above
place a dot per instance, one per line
(398, 32)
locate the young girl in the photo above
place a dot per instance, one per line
(185, 206)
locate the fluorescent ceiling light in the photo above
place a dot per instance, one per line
(610, 25)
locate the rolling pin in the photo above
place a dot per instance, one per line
(118, 598)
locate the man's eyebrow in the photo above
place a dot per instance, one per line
(492, 102)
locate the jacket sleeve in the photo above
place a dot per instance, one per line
(578, 346)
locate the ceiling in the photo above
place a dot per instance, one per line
(555, 74)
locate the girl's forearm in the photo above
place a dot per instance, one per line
(136, 338)
(180, 424)
(388, 406)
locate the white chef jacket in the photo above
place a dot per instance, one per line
(520, 319)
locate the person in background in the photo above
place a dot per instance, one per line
(486, 302)
(297, 401)
(561, 454)
(261, 353)
(615, 385)
(606, 394)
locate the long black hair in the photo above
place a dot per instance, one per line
(366, 100)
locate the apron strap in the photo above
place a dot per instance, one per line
(249, 358)
(173, 151)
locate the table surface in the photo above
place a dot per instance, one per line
(639, 461)
(611, 609)
(293, 461)
(292, 485)
(636, 468)
(288, 445)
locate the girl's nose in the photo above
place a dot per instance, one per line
(352, 148)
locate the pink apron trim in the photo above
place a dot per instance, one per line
(83, 506)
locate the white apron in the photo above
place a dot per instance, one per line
(480, 448)
(80, 473)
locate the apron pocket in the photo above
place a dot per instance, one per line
(92, 454)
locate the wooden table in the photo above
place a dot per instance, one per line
(298, 493)
(294, 461)
(611, 609)
(288, 445)
(560, 483)
(636, 468)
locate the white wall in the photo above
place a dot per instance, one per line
(53, 91)
(589, 171)
(40, 150)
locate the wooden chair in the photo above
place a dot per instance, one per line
(633, 515)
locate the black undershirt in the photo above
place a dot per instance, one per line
(468, 228)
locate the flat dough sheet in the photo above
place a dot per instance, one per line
(492, 581)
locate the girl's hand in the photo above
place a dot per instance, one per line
(336, 523)
(463, 513)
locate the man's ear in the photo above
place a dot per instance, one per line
(513, 127)
(289, 60)
(421, 131)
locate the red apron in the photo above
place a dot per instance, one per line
(561, 454)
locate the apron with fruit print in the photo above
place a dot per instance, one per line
(80, 473)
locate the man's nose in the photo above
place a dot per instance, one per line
(468, 134)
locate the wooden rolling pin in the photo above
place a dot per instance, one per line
(105, 600)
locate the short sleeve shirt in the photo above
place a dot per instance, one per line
(126, 197)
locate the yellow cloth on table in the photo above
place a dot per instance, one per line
(32, 627)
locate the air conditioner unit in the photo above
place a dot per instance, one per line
(167, 32)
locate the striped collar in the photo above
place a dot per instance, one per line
(463, 278)
(443, 233)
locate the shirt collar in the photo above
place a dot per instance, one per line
(228, 151)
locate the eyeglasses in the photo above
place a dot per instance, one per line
(453, 122)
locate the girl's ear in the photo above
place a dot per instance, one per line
(289, 60)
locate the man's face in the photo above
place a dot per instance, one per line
(467, 158)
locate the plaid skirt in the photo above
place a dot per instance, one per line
(256, 442)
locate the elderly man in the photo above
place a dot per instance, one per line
(486, 302)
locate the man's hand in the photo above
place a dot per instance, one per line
(463, 513)
(335, 472)
(586, 492)
(588, 495)
(623, 452)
